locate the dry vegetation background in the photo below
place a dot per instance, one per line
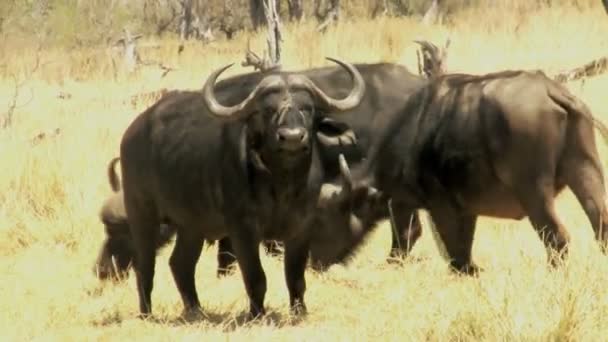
(50, 195)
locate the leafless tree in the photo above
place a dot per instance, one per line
(329, 15)
(19, 83)
(274, 38)
(296, 11)
(381, 7)
(256, 12)
(434, 14)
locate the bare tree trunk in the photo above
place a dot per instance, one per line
(296, 11)
(433, 14)
(605, 3)
(256, 11)
(185, 24)
(331, 14)
(274, 32)
(381, 7)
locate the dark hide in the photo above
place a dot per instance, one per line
(193, 168)
(388, 88)
(500, 145)
(116, 254)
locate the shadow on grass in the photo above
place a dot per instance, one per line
(227, 321)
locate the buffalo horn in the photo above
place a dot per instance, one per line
(241, 110)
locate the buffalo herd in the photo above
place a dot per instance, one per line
(313, 160)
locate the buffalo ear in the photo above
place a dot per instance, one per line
(333, 133)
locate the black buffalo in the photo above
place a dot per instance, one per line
(499, 145)
(388, 87)
(193, 168)
(115, 257)
(116, 253)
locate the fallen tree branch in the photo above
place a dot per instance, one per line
(593, 68)
(258, 63)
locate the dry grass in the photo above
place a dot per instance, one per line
(50, 193)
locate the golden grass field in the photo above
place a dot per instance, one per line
(50, 195)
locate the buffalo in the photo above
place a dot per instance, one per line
(388, 87)
(194, 169)
(115, 257)
(499, 145)
(116, 254)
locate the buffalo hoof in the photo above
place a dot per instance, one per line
(144, 316)
(193, 315)
(468, 269)
(255, 313)
(398, 259)
(299, 309)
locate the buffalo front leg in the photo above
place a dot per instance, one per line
(183, 261)
(225, 257)
(296, 257)
(246, 248)
(405, 227)
(456, 230)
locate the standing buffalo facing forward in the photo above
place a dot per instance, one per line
(194, 168)
(388, 87)
(115, 257)
(499, 145)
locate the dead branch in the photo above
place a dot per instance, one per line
(258, 63)
(433, 15)
(7, 119)
(331, 15)
(131, 57)
(595, 67)
(433, 60)
(163, 26)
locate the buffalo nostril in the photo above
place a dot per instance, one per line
(291, 134)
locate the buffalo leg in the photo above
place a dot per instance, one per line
(587, 184)
(183, 261)
(406, 231)
(537, 199)
(225, 257)
(246, 248)
(144, 231)
(456, 230)
(114, 260)
(296, 257)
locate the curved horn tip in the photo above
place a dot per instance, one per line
(344, 169)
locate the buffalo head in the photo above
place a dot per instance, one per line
(281, 110)
(347, 213)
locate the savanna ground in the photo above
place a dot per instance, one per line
(50, 195)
